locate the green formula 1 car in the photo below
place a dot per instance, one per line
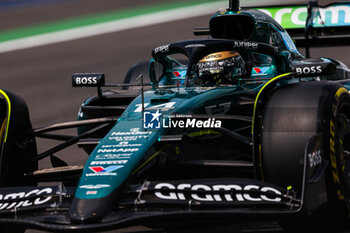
(235, 125)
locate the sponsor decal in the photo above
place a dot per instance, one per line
(315, 158)
(94, 186)
(247, 45)
(110, 162)
(213, 56)
(295, 17)
(162, 49)
(113, 156)
(133, 131)
(9, 200)
(127, 144)
(117, 150)
(122, 144)
(333, 156)
(234, 192)
(261, 71)
(126, 138)
(103, 171)
(308, 70)
(180, 74)
(332, 142)
(217, 56)
(84, 79)
(194, 45)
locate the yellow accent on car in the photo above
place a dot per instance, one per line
(257, 97)
(254, 112)
(340, 91)
(202, 132)
(2, 130)
(8, 113)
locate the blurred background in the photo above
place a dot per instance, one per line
(42, 42)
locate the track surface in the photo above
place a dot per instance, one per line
(42, 75)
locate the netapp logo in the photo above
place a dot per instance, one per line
(308, 70)
(12, 203)
(170, 192)
(117, 150)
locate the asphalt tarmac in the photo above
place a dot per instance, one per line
(42, 75)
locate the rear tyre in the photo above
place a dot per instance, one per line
(292, 115)
(18, 146)
(134, 72)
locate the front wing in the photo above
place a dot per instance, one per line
(48, 208)
(167, 201)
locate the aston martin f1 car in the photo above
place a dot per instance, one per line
(235, 125)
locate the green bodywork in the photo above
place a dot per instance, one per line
(130, 128)
(128, 146)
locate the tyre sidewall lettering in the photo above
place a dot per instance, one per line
(333, 141)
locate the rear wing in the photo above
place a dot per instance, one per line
(311, 24)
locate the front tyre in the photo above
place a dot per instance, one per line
(292, 115)
(339, 148)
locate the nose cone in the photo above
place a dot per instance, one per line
(90, 210)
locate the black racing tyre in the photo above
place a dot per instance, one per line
(20, 148)
(17, 147)
(292, 115)
(134, 72)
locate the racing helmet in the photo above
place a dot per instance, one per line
(223, 67)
